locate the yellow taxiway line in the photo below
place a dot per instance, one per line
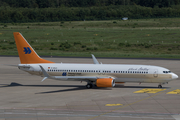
(162, 91)
(149, 90)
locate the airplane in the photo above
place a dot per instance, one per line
(97, 74)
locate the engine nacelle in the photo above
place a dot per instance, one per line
(105, 82)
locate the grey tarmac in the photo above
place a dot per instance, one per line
(25, 97)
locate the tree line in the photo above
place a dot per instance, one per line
(9, 15)
(85, 3)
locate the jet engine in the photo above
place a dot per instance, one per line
(105, 82)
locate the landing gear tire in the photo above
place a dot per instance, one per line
(88, 86)
(159, 86)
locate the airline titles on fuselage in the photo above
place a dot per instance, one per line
(138, 69)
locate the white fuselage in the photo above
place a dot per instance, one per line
(119, 72)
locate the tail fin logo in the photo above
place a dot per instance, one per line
(27, 50)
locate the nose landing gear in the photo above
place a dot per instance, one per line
(160, 84)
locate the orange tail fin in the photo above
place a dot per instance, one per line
(26, 53)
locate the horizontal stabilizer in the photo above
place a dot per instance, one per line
(11, 65)
(46, 75)
(44, 71)
(43, 79)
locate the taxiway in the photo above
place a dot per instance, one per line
(25, 97)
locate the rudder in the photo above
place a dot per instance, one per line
(26, 53)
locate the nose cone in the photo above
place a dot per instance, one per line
(174, 76)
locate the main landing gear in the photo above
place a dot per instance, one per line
(159, 86)
(89, 85)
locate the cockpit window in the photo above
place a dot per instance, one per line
(166, 71)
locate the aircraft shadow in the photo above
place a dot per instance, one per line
(75, 87)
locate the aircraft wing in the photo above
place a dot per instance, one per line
(79, 78)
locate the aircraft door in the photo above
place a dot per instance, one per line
(155, 73)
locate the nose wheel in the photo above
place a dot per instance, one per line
(159, 86)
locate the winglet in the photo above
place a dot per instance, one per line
(46, 75)
(94, 59)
